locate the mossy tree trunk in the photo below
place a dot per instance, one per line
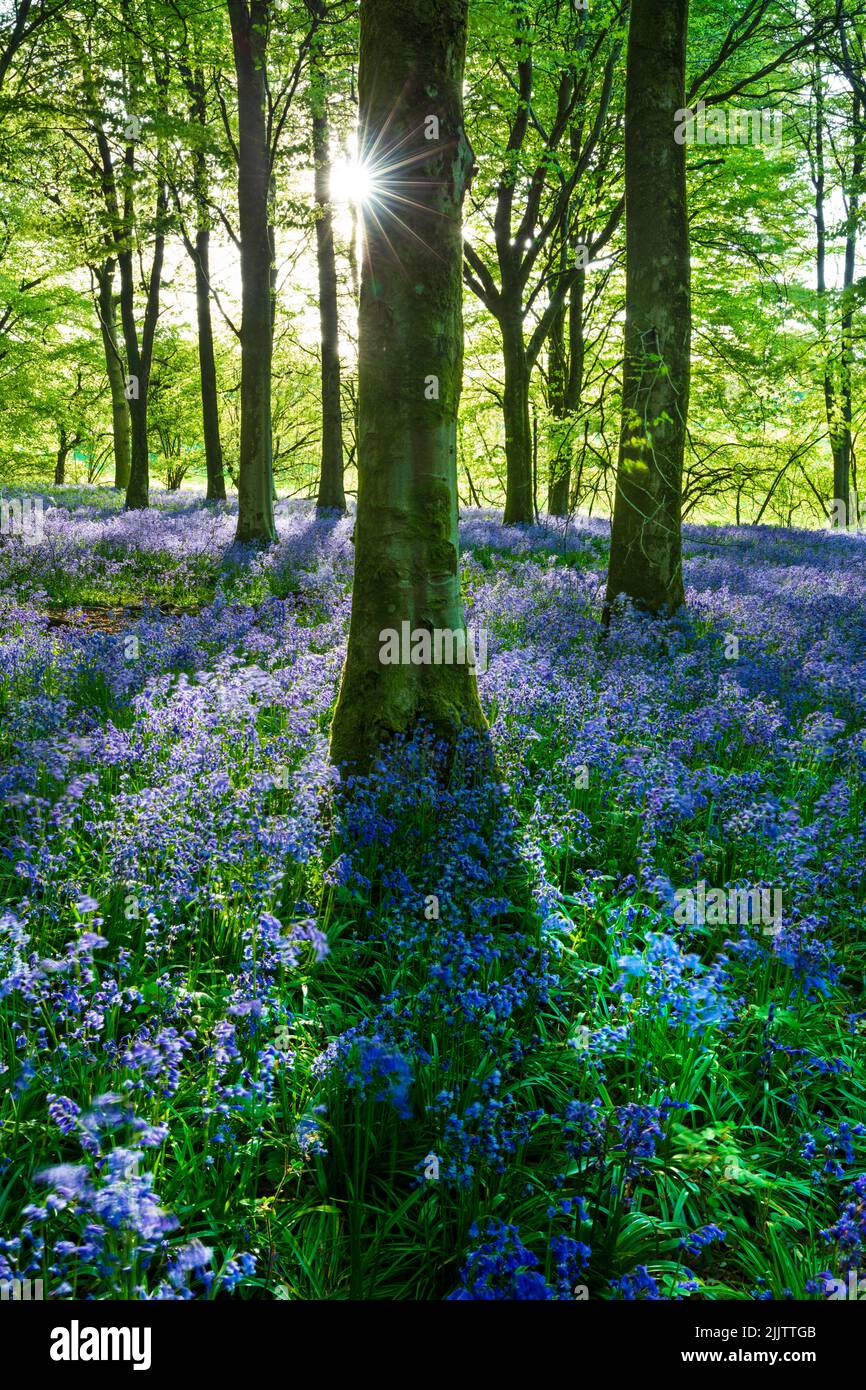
(646, 548)
(410, 374)
(249, 25)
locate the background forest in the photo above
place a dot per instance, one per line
(332, 967)
(145, 96)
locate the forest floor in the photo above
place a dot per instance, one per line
(436, 1035)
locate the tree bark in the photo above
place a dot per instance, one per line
(62, 455)
(331, 495)
(139, 353)
(646, 544)
(213, 449)
(139, 356)
(213, 452)
(566, 384)
(249, 25)
(844, 455)
(833, 409)
(410, 375)
(515, 411)
(107, 308)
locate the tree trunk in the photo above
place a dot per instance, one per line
(844, 459)
(138, 485)
(139, 357)
(62, 455)
(115, 372)
(138, 488)
(249, 25)
(646, 543)
(331, 495)
(518, 428)
(213, 451)
(410, 375)
(832, 409)
(566, 385)
(559, 464)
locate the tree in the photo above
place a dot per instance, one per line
(106, 308)
(126, 228)
(838, 392)
(646, 553)
(331, 496)
(547, 152)
(26, 20)
(199, 253)
(410, 372)
(126, 221)
(250, 24)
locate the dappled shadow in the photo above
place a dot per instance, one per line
(428, 904)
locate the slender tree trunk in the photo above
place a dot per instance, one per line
(843, 463)
(62, 455)
(331, 495)
(353, 254)
(410, 375)
(138, 486)
(213, 450)
(566, 367)
(249, 25)
(518, 428)
(559, 464)
(107, 308)
(646, 543)
(831, 407)
(139, 356)
(566, 385)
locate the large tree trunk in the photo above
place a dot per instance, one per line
(646, 545)
(115, 372)
(519, 506)
(410, 376)
(331, 495)
(249, 24)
